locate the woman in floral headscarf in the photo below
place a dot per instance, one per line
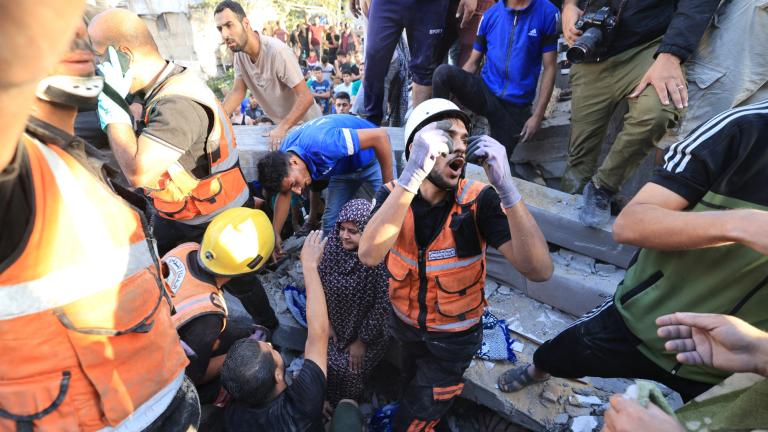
(358, 306)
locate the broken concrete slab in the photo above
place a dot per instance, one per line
(557, 214)
(573, 287)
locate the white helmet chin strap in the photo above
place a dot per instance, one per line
(80, 92)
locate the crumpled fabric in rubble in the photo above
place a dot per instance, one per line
(497, 342)
(296, 301)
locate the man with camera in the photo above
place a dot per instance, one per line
(621, 49)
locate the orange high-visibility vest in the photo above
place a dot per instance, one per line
(178, 194)
(86, 338)
(434, 288)
(193, 295)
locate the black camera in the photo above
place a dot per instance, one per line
(596, 27)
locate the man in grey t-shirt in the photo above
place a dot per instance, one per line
(268, 68)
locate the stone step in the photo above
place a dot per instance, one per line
(577, 285)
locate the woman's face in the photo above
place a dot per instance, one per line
(350, 236)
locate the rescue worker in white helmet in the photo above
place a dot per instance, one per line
(86, 339)
(237, 242)
(432, 226)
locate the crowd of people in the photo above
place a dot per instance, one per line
(116, 256)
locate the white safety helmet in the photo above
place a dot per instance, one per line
(425, 113)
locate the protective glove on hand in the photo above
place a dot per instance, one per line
(110, 111)
(486, 151)
(429, 143)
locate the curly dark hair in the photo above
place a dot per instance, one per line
(272, 169)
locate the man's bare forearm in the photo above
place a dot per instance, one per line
(124, 145)
(545, 90)
(282, 207)
(527, 250)
(303, 102)
(648, 225)
(381, 232)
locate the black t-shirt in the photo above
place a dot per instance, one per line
(298, 408)
(490, 220)
(182, 124)
(17, 199)
(349, 66)
(727, 155)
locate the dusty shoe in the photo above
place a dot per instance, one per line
(597, 206)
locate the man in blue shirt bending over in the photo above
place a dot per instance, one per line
(346, 151)
(516, 36)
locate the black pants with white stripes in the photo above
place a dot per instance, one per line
(601, 345)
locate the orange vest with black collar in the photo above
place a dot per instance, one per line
(440, 287)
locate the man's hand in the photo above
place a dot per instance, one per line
(356, 351)
(666, 76)
(312, 251)
(277, 252)
(466, 11)
(626, 415)
(571, 14)
(720, 341)
(275, 136)
(486, 151)
(428, 144)
(530, 128)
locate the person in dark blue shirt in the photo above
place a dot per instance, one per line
(516, 37)
(346, 151)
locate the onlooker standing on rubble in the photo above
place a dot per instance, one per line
(183, 152)
(358, 306)
(386, 21)
(268, 68)
(432, 227)
(641, 60)
(507, 87)
(461, 31)
(344, 150)
(86, 341)
(701, 222)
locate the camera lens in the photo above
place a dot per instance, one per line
(585, 45)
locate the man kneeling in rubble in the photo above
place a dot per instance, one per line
(238, 241)
(254, 372)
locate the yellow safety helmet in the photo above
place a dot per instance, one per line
(237, 241)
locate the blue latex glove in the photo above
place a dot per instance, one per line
(492, 156)
(110, 111)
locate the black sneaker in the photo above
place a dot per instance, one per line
(597, 206)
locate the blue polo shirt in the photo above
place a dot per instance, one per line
(329, 145)
(513, 42)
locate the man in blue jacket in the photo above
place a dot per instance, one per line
(516, 37)
(346, 151)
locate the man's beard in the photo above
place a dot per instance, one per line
(439, 182)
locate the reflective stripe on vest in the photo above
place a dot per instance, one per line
(454, 299)
(83, 301)
(192, 297)
(178, 194)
